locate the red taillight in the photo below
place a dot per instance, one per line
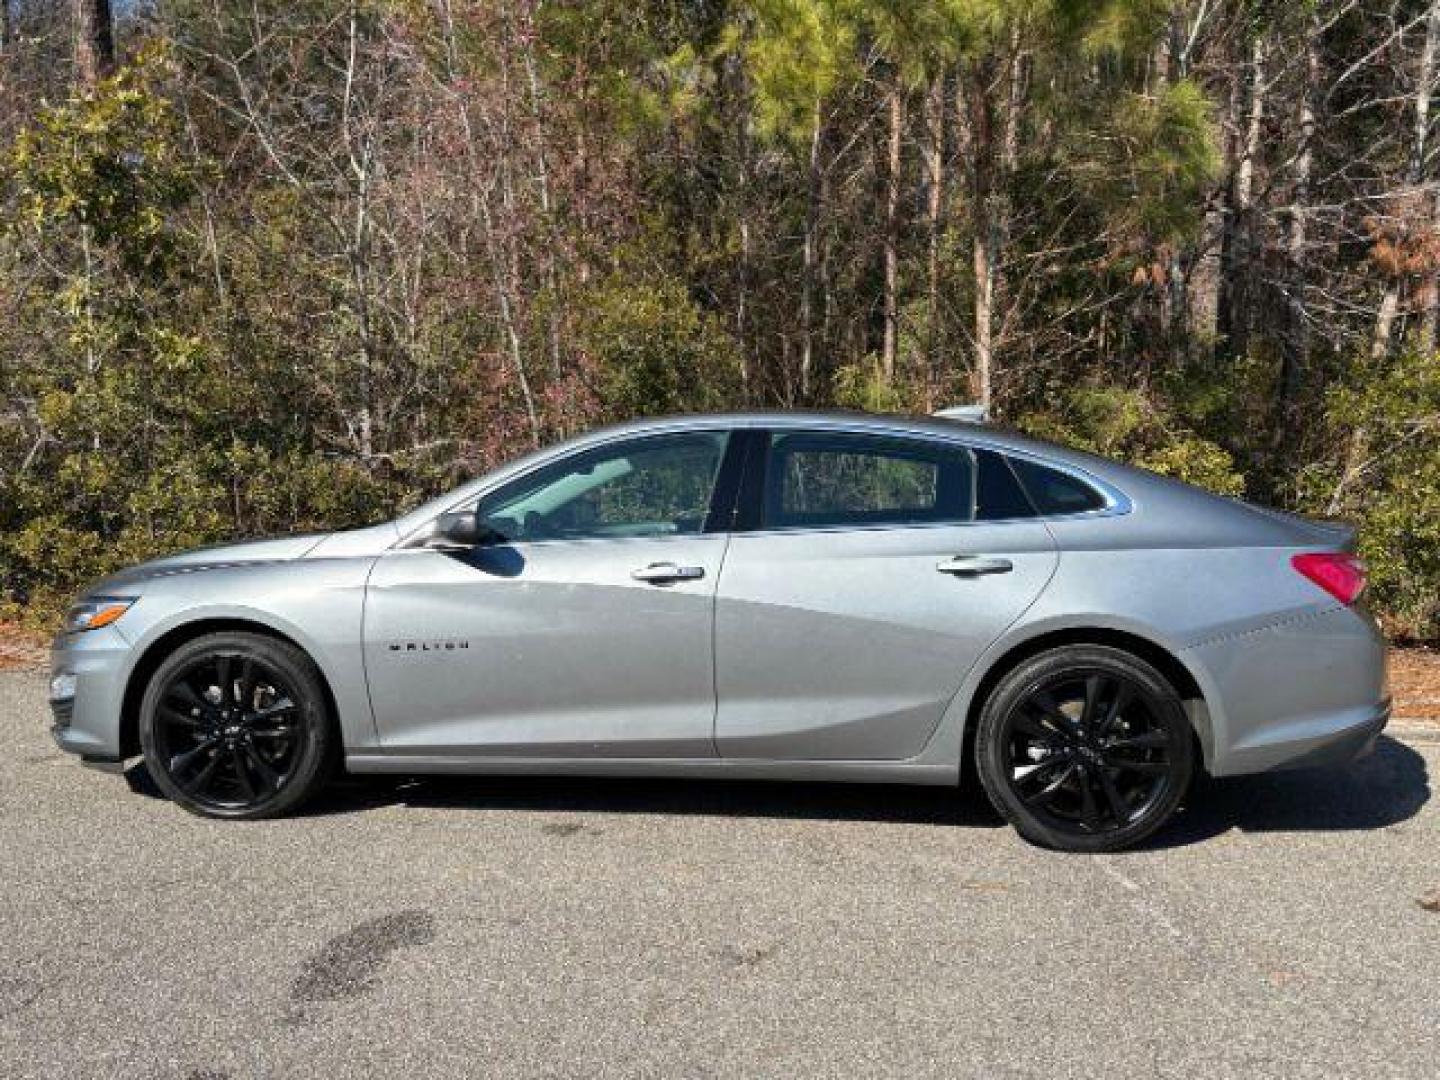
(1339, 574)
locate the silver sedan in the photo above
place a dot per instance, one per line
(783, 596)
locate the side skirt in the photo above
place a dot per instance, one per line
(854, 772)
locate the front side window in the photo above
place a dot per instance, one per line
(825, 480)
(657, 486)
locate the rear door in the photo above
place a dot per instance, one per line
(866, 575)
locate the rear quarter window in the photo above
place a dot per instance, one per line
(1055, 493)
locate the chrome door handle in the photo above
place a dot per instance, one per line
(662, 573)
(974, 565)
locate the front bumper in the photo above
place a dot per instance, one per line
(87, 721)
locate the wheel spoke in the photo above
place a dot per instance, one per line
(1149, 740)
(246, 697)
(1036, 768)
(1089, 812)
(172, 716)
(1036, 729)
(1093, 685)
(268, 776)
(181, 762)
(184, 693)
(199, 780)
(222, 677)
(247, 786)
(1114, 798)
(1124, 694)
(279, 731)
(1046, 704)
(1045, 794)
(275, 708)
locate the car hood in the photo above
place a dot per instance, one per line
(274, 549)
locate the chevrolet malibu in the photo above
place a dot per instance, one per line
(779, 596)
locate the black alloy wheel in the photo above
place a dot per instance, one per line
(234, 725)
(1085, 749)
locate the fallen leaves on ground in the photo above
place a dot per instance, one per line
(20, 648)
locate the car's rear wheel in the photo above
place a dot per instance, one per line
(1084, 748)
(235, 725)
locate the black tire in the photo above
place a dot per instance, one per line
(257, 748)
(1084, 748)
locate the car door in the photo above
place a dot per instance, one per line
(866, 576)
(582, 624)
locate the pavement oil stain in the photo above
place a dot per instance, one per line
(348, 964)
(753, 957)
(566, 828)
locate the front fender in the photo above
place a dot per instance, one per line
(316, 604)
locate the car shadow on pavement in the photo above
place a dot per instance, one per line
(897, 804)
(728, 798)
(1386, 788)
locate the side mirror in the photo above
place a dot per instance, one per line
(460, 529)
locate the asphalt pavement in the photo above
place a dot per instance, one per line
(1286, 925)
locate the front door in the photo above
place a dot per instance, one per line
(878, 572)
(581, 626)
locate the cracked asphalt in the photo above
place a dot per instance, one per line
(1285, 926)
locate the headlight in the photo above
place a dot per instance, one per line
(96, 612)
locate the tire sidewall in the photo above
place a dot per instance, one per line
(309, 772)
(1025, 679)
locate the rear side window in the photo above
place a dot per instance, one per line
(821, 479)
(1055, 493)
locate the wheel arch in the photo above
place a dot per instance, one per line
(157, 650)
(1163, 659)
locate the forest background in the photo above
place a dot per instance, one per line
(275, 265)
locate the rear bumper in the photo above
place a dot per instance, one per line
(1333, 746)
(1311, 691)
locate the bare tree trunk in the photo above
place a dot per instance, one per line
(745, 271)
(935, 192)
(986, 241)
(810, 255)
(743, 275)
(896, 108)
(977, 150)
(542, 181)
(1415, 173)
(1233, 314)
(992, 137)
(359, 151)
(94, 41)
(1430, 289)
(1296, 353)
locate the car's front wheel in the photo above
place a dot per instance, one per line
(235, 725)
(1084, 748)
